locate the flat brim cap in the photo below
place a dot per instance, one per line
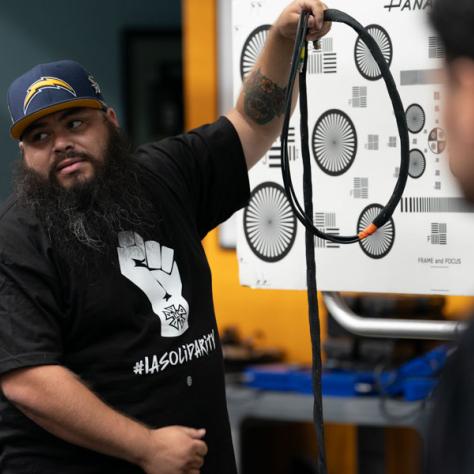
(49, 88)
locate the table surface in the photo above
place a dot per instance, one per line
(245, 402)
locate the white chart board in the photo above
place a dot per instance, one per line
(355, 152)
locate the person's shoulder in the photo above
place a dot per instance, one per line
(18, 224)
(162, 157)
(11, 211)
(8, 207)
(222, 127)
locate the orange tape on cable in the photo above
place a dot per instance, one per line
(368, 231)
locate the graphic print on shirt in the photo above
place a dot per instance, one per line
(152, 268)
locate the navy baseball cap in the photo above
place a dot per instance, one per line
(48, 88)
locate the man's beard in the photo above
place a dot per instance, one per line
(83, 221)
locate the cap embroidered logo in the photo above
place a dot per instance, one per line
(45, 83)
(94, 84)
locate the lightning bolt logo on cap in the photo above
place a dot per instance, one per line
(46, 82)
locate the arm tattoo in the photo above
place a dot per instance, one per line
(264, 100)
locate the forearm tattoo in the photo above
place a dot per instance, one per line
(264, 100)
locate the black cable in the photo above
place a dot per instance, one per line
(315, 329)
(299, 60)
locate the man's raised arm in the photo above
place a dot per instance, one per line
(258, 114)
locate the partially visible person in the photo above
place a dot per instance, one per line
(454, 22)
(450, 446)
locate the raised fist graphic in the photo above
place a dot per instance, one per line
(152, 268)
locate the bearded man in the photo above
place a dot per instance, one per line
(109, 353)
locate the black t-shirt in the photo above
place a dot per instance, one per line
(142, 334)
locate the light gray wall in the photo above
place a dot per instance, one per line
(88, 31)
(225, 55)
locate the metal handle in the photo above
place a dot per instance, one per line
(394, 328)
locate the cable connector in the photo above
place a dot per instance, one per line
(302, 57)
(368, 231)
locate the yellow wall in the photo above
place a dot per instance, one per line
(279, 316)
(458, 307)
(199, 62)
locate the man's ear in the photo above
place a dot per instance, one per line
(21, 147)
(112, 116)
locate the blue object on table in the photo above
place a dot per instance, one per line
(270, 377)
(336, 383)
(418, 388)
(427, 365)
(342, 383)
(414, 380)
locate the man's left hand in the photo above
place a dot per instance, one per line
(287, 22)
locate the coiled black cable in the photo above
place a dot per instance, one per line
(299, 62)
(300, 57)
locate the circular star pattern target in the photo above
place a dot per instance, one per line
(365, 62)
(379, 244)
(252, 47)
(334, 142)
(417, 163)
(269, 222)
(416, 117)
